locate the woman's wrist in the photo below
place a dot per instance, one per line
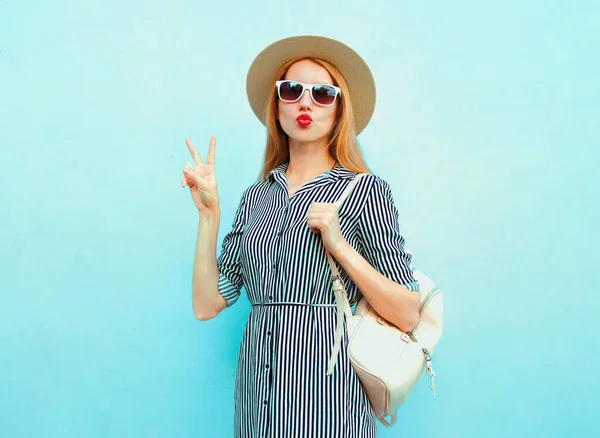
(210, 214)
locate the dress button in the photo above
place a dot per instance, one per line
(274, 265)
(267, 366)
(269, 333)
(265, 403)
(270, 297)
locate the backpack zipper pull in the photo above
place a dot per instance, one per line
(412, 336)
(430, 370)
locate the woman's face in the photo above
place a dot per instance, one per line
(323, 117)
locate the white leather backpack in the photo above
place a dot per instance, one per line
(388, 362)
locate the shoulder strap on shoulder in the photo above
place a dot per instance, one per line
(348, 190)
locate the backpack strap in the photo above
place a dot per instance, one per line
(341, 299)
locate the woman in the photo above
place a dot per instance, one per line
(314, 95)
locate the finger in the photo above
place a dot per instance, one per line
(315, 215)
(183, 181)
(189, 177)
(194, 152)
(322, 206)
(187, 167)
(210, 158)
(314, 226)
(190, 180)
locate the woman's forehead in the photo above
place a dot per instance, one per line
(308, 72)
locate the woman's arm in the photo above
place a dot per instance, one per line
(391, 300)
(207, 302)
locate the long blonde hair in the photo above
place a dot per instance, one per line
(343, 145)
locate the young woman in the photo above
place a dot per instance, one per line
(314, 95)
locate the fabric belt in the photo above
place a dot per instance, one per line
(287, 303)
(343, 311)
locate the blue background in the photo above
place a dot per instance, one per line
(486, 127)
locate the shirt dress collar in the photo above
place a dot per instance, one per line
(338, 172)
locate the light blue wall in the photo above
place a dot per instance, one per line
(486, 127)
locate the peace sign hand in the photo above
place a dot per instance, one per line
(202, 180)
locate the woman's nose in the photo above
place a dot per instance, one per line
(305, 100)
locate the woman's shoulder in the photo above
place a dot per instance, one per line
(375, 189)
(371, 180)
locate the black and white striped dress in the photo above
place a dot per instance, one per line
(281, 386)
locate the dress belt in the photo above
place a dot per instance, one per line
(288, 303)
(343, 311)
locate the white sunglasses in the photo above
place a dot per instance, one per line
(321, 94)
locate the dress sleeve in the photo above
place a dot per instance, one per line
(380, 232)
(229, 261)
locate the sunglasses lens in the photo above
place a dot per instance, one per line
(290, 90)
(323, 94)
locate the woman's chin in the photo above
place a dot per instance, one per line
(305, 135)
(305, 138)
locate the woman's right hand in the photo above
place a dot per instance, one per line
(201, 180)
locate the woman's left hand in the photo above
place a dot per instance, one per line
(323, 217)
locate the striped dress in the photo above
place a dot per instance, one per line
(281, 385)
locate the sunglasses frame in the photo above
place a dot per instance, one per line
(338, 92)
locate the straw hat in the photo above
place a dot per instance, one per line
(261, 74)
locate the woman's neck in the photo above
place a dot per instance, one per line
(308, 160)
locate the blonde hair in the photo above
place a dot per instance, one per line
(343, 145)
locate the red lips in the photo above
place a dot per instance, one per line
(304, 120)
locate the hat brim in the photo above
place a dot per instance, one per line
(361, 85)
